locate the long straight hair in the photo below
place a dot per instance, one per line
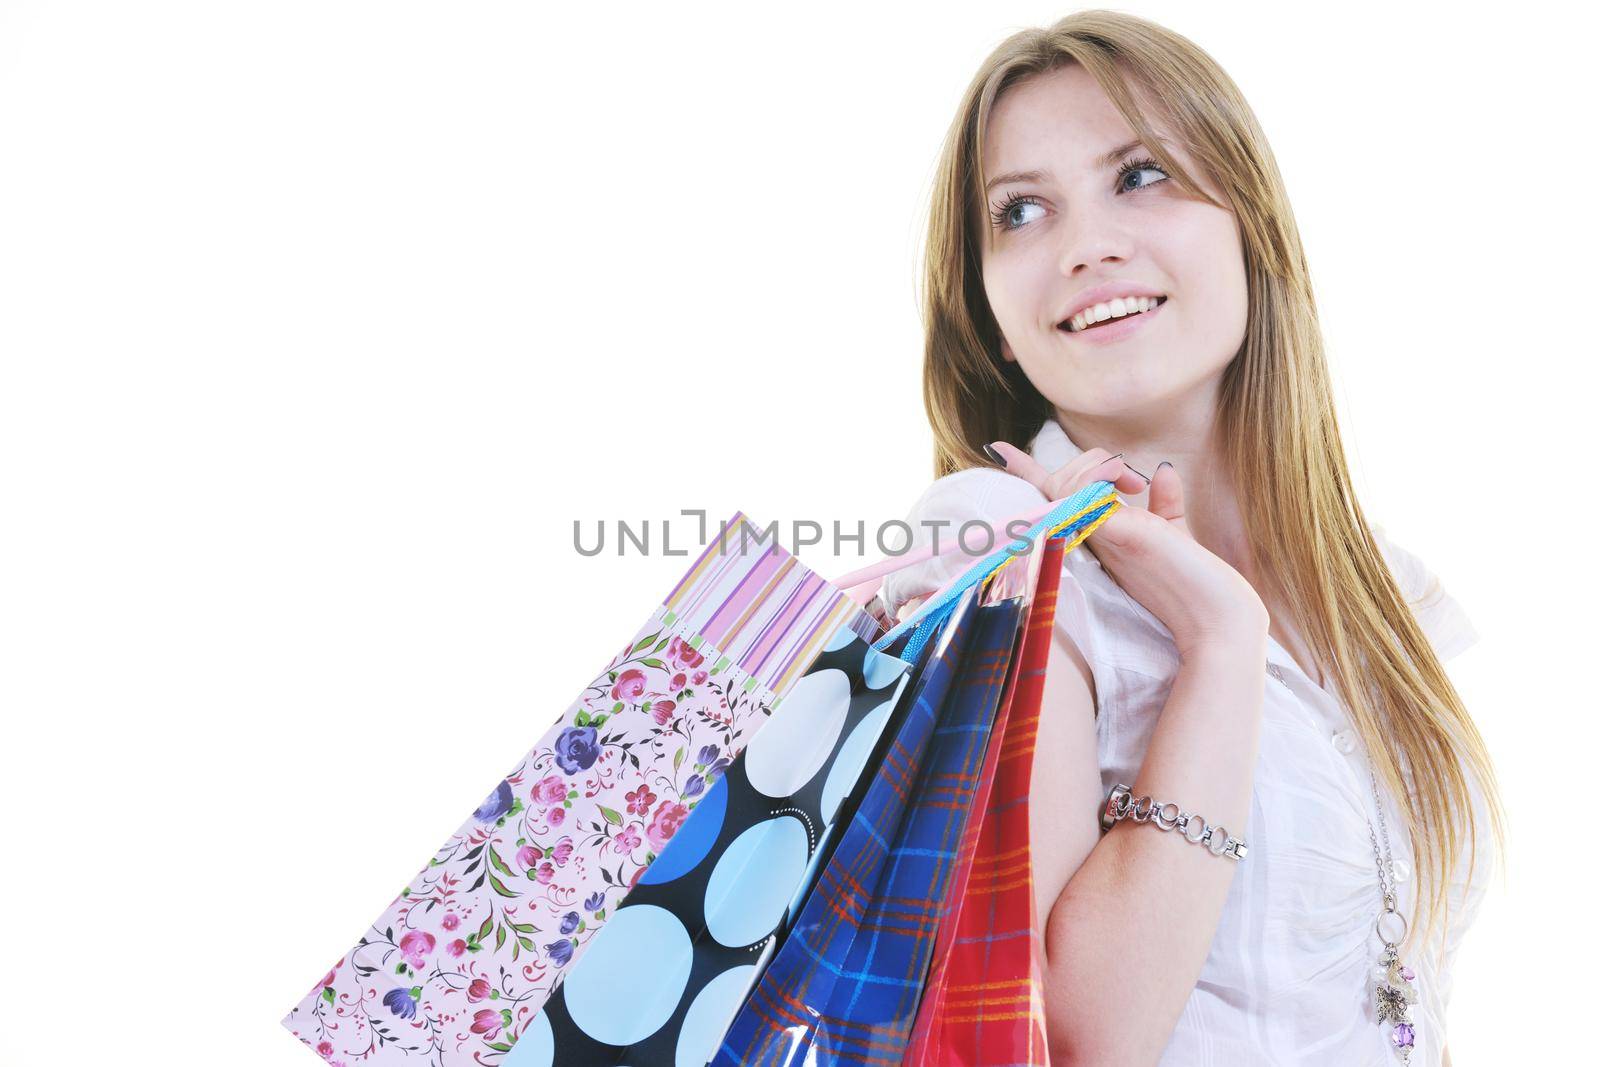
(1275, 418)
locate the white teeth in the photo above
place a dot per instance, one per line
(1114, 309)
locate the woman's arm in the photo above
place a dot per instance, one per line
(1132, 912)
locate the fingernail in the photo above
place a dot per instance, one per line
(989, 451)
(1163, 463)
(1130, 466)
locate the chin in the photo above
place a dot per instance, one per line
(1116, 396)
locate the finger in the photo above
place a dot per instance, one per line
(1023, 465)
(1122, 477)
(1166, 495)
(909, 607)
(1094, 465)
(1089, 466)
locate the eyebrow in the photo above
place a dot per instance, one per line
(1104, 161)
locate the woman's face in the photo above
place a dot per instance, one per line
(1082, 223)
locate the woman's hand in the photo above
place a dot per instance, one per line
(1200, 599)
(910, 607)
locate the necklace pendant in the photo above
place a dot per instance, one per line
(1395, 990)
(1403, 1036)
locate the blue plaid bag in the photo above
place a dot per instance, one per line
(847, 982)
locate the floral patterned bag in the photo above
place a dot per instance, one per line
(682, 951)
(469, 951)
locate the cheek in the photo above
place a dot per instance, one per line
(1008, 282)
(1208, 265)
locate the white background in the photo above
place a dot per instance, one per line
(322, 322)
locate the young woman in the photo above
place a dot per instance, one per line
(1115, 288)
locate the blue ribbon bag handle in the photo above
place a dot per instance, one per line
(1074, 518)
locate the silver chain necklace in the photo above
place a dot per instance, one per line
(1394, 985)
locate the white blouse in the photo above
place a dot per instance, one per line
(1288, 977)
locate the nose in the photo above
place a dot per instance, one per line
(1094, 243)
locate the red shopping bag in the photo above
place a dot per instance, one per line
(984, 999)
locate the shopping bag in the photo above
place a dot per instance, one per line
(847, 984)
(864, 921)
(983, 1003)
(679, 954)
(474, 944)
(746, 621)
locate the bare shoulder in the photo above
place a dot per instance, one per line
(981, 494)
(976, 493)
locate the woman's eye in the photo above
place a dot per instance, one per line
(1140, 167)
(1006, 215)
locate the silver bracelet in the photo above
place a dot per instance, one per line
(1120, 804)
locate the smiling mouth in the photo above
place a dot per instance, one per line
(1079, 323)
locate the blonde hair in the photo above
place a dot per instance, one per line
(1275, 418)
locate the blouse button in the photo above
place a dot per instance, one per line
(1344, 742)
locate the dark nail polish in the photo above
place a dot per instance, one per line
(1137, 471)
(1163, 463)
(995, 456)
